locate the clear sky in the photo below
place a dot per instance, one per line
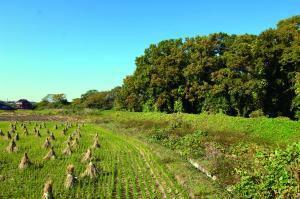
(71, 46)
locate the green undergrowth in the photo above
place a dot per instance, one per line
(274, 175)
(279, 130)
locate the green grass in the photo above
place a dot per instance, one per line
(129, 168)
(229, 143)
(158, 166)
(278, 130)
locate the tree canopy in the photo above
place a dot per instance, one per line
(96, 99)
(232, 74)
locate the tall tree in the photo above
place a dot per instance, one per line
(233, 74)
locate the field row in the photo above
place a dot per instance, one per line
(127, 168)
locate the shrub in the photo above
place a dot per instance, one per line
(189, 145)
(158, 135)
(148, 106)
(256, 113)
(178, 106)
(297, 115)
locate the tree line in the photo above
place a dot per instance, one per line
(239, 75)
(93, 99)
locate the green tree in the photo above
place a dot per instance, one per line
(233, 74)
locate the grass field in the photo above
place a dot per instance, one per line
(149, 155)
(127, 168)
(273, 130)
(225, 147)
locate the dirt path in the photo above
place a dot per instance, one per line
(11, 116)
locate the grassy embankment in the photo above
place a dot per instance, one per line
(221, 144)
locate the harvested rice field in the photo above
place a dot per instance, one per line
(76, 160)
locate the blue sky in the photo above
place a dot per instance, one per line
(71, 46)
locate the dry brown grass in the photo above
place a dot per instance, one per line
(25, 162)
(91, 171)
(70, 179)
(12, 147)
(37, 134)
(52, 137)
(87, 156)
(51, 155)
(47, 143)
(75, 143)
(96, 143)
(48, 190)
(8, 135)
(67, 150)
(17, 137)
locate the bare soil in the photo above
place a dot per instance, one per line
(25, 117)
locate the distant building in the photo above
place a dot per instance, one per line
(5, 106)
(23, 104)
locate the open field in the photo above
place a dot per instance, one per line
(151, 155)
(150, 100)
(127, 169)
(246, 157)
(279, 130)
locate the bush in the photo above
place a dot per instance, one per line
(178, 106)
(158, 135)
(189, 145)
(256, 113)
(148, 106)
(297, 115)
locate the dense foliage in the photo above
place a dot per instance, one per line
(233, 74)
(92, 99)
(53, 101)
(275, 175)
(97, 99)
